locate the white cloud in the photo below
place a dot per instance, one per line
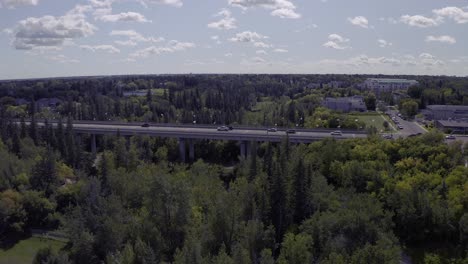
(176, 3)
(134, 37)
(105, 48)
(359, 21)
(285, 13)
(51, 31)
(62, 59)
(261, 44)
(124, 17)
(261, 52)
(247, 36)
(336, 41)
(129, 43)
(419, 21)
(172, 46)
(229, 55)
(430, 60)
(442, 39)
(216, 39)
(455, 13)
(383, 43)
(17, 3)
(280, 8)
(258, 60)
(281, 50)
(226, 23)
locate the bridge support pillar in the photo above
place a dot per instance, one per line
(93, 144)
(243, 149)
(191, 150)
(182, 149)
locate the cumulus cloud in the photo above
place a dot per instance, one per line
(285, 13)
(280, 50)
(133, 37)
(280, 8)
(247, 36)
(62, 59)
(442, 39)
(216, 39)
(336, 41)
(430, 60)
(104, 48)
(383, 43)
(424, 60)
(171, 47)
(129, 43)
(452, 12)
(359, 21)
(124, 17)
(419, 21)
(51, 31)
(261, 44)
(226, 22)
(17, 3)
(176, 3)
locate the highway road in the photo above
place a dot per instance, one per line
(241, 134)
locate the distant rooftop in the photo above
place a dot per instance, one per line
(460, 124)
(384, 80)
(447, 107)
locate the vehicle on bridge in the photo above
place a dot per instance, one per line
(336, 133)
(223, 128)
(273, 129)
(145, 125)
(291, 131)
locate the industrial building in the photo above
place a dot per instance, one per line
(446, 112)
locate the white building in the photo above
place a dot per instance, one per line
(388, 85)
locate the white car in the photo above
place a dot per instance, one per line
(450, 137)
(223, 128)
(336, 133)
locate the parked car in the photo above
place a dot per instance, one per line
(336, 133)
(450, 137)
(145, 125)
(291, 131)
(223, 128)
(272, 129)
(400, 127)
(387, 136)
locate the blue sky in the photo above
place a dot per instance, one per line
(48, 38)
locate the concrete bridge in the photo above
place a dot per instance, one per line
(187, 134)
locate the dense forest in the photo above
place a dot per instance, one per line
(349, 201)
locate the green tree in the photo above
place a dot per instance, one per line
(296, 249)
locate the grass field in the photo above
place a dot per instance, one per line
(372, 120)
(25, 250)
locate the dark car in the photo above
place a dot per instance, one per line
(273, 129)
(145, 125)
(291, 131)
